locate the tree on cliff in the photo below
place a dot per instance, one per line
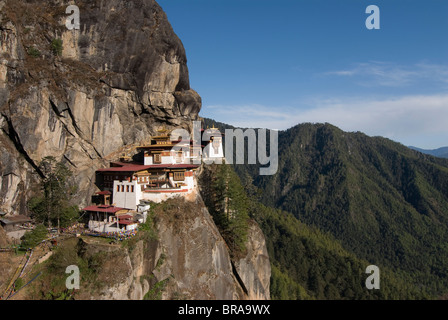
(53, 205)
(33, 238)
(229, 207)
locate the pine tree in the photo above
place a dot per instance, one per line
(230, 207)
(53, 205)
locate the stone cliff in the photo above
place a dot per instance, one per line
(116, 81)
(3, 238)
(118, 78)
(187, 259)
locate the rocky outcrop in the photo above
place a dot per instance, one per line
(195, 261)
(188, 260)
(254, 269)
(196, 257)
(3, 238)
(119, 78)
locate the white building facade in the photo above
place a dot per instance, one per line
(167, 170)
(154, 183)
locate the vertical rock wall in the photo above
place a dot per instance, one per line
(119, 78)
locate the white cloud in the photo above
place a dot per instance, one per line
(408, 119)
(377, 73)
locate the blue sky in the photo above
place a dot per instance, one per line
(275, 64)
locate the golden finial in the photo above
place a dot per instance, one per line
(162, 129)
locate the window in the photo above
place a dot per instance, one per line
(122, 188)
(118, 188)
(127, 188)
(157, 158)
(132, 188)
(179, 176)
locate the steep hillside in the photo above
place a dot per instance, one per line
(111, 85)
(3, 238)
(85, 97)
(310, 264)
(384, 202)
(178, 254)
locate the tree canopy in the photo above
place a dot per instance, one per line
(53, 205)
(228, 204)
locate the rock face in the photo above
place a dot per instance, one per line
(254, 269)
(3, 238)
(119, 78)
(188, 260)
(204, 272)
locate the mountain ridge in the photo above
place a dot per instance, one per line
(386, 203)
(439, 152)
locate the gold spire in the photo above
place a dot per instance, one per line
(162, 129)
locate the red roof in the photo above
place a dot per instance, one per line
(127, 168)
(126, 222)
(125, 216)
(137, 167)
(103, 192)
(122, 164)
(107, 209)
(175, 166)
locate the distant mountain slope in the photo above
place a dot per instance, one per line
(440, 152)
(305, 262)
(384, 202)
(310, 264)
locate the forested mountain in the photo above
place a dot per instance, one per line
(310, 264)
(383, 202)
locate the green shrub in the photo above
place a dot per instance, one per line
(147, 229)
(34, 237)
(19, 284)
(56, 47)
(155, 293)
(34, 52)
